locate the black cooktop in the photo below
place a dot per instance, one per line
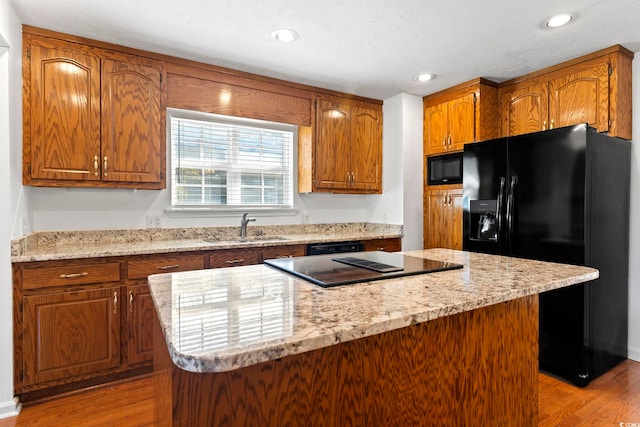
(354, 267)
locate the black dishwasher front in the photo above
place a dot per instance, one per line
(334, 247)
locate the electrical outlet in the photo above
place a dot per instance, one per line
(153, 222)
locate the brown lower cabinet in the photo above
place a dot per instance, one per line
(83, 322)
(70, 335)
(443, 218)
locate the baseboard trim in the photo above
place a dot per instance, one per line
(9, 409)
(633, 354)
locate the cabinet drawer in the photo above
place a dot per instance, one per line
(235, 257)
(386, 245)
(140, 269)
(283, 252)
(70, 274)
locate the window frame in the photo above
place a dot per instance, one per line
(221, 210)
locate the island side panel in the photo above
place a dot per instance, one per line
(474, 368)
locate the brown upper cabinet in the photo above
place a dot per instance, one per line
(344, 154)
(594, 89)
(462, 114)
(92, 117)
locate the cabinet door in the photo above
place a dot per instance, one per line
(73, 334)
(461, 122)
(581, 97)
(132, 122)
(454, 212)
(288, 251)
(140, 316)
(332, 145)
(235, 257)
(64, 133)
(525, 110)
(435, 129)
(142, 267)
(443, 219)
(386, 245)
(366, 149)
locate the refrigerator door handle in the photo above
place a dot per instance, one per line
(499, 212)
(510, 208)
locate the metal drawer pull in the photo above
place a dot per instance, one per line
(115, 302)
(168, 267)
(285, 256)
(381, 249)
(73, 275)
(131, 301)
(234, 261)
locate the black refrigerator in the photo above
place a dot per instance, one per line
(560, 195)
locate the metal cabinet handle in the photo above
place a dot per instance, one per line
(131, 301)
(284, 256)
(551, 126)
(115, 302)
(234, 261)
(544, 125)
(73, 275)
(105, 166)
(96, 166)
(381, 249)
(449, 143)
(168, 267)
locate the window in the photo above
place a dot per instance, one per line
(226, 162)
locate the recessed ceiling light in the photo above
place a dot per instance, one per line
(284, 35)
(424, 77)
(558, 20)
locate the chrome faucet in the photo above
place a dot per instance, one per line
(243, 224)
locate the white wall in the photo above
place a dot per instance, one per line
(401, 199)
(10, 140)
(634, 235)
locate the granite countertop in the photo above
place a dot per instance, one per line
(224, 319)
(49, 246)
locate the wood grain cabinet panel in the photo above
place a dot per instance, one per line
(288, 251)
(342, 152)
(593, 89)
(64, 131)
(71, 334)
(70, 274)
(448, 126)
(366, 149)
(131, 122)
(92, 117)
(140, 315)
(581, 97)
(386, 245)
(525, 110)
(443, 219)
(333, 146)
(460, 115)
(235, 257)
(158, 264)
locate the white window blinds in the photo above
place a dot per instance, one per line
(221, 162)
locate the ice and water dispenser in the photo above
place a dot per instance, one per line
(483, 220)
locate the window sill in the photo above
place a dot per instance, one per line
(228, 212)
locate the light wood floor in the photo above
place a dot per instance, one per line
(610, 400)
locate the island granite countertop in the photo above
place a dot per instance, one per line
(224, 319)
(60, 245)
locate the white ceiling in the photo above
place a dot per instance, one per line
(371, 48)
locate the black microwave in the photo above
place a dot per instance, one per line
(444, 169)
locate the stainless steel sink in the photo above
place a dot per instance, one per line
(249, 239)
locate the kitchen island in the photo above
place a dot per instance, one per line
(256, 346)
